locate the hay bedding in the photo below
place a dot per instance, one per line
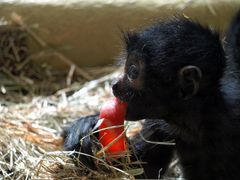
(32, 118)
(30, 136)
(30, 141)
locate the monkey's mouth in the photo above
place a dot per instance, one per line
(125, 97)
(135, 109)
(133, 113)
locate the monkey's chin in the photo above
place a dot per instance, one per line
(133, 118)
(137, 112)
(134, 114)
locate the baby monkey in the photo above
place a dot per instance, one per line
(179, 71)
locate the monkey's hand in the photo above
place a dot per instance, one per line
(79, 137)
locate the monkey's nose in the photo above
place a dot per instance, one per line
(115, 86)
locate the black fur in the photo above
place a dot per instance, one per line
(148, 150)
(82, 128)
(232, 42)
(200, 106)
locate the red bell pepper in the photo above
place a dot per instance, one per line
(113, 112)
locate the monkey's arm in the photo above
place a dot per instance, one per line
(148, 148)
(157, 157)
(78, 136)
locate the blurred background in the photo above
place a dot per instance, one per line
(81, 39)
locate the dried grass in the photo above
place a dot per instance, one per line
(30, 141)
(31, 125)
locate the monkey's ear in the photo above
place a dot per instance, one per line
(189, 79)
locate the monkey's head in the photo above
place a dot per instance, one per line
(167, 66)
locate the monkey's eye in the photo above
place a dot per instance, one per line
(132, 72)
